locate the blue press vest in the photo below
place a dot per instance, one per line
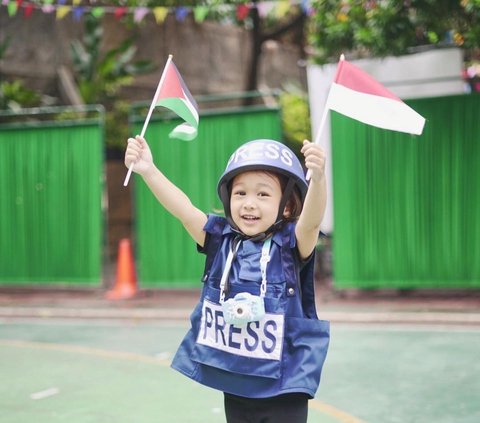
(282, 353)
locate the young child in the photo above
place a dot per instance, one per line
(254, 334)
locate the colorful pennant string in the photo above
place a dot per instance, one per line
(78, 8)
(160, 14)
(242, 11)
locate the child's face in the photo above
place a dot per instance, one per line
(254, 201)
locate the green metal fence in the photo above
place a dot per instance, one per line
(166, 255)
(407, 208)
(51, 173)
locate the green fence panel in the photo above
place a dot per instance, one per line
(166, 255)
(51, 224)
(407, 208)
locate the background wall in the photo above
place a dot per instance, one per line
(212, 57)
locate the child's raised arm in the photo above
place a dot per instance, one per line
(168, 194)
(308, 226)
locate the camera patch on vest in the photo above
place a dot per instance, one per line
(261, 339)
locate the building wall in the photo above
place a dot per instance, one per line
(212, 57)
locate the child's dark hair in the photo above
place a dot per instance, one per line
(294, 203)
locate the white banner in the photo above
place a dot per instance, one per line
(262, 339)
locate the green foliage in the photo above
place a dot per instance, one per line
(116, 125)
(14, 95)
(388, 27)
(295, 116)
(100, 76)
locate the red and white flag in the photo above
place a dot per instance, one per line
(356, 94)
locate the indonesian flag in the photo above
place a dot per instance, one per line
(356, 94)
(174, 95)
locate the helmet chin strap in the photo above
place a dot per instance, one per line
(279, 221)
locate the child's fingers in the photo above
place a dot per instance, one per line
(305, 146)
(137, 141)
(133, 152)
(312, 150)
(135, 144)
(308, 147)
(313, 161)
(314, 158)
(131, 156)
(141, 141)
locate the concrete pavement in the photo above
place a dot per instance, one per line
(434, 307)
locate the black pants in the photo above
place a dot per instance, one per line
(288, 408)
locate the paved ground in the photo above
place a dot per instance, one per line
(71, 355)
(440, 307)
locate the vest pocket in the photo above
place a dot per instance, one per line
(254, 349)
(306, 346)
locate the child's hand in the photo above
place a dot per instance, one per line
(138, 152)
(314, 160)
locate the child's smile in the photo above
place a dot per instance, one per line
(254, 201)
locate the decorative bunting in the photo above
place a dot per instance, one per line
(62, 11)
(63, 7)
(181, 13)
(139, 13)
(120, 12)
(242, 11)
(78, 13)
(98, 12)
(48, 8)
(282, 9)
(160, 14)
(307, 7)
(200, 13)
(12, 9)
(27, 10)
(265, 8)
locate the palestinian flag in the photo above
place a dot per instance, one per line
(174, 95)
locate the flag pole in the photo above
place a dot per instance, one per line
(320, 131)
(322, 123)
(149, 115)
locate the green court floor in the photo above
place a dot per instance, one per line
(118, 371)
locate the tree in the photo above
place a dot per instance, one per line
(272, 30)
(389, 27)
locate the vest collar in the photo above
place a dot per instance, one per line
(277, 237)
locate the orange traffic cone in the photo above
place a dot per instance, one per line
(126, 280)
